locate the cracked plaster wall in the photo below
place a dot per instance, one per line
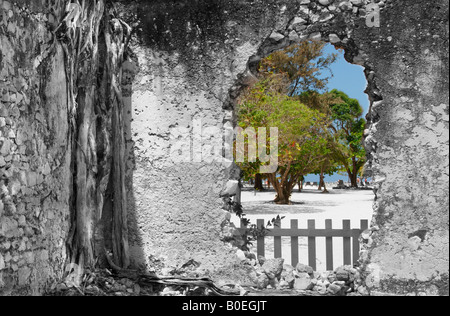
(191, 59)
(35, 177)
(189, 66)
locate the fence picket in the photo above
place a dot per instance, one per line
(329, 246)
(260, 243)
(347, 244)
(364, 225)
(277, 241)
(350, 237)
(312, 245)
(294, 244)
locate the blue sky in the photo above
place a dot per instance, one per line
(350, 79)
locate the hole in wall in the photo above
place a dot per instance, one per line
(308, 202)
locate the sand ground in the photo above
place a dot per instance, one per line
(338, 205)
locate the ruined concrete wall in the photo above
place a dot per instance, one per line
(191, 58)
(195, 56)
(410, 138)
(176, 211)
(35, 178)
(61, 141)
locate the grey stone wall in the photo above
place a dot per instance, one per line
(194, 57)
(190, 59)
(35, 172)
(409, 135)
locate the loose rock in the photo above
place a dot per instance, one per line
(303, 282)
(273, 268)
(334, 289)
(302, 268)
(262, 281)
(342, 274)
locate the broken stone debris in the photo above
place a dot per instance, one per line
(274, 274)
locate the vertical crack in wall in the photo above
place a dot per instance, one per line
(96, 116)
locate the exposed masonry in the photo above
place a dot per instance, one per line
(187, 81)
(192, 59)
(34, 155)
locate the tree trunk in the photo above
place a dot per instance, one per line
(115, 44)
(283, 195)
(82, 64)
(322, 182)
(85, 182)
(284, 186)
(354, 180)
(301, 182)
(322, 179)
(285, 198)
(97, 135)
(353, 174)
(325, 190)
(258, 183)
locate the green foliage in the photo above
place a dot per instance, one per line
(348, 127)
(345, 150)
(319, 132)
(252, 232)
(300, 128)
(302, 65)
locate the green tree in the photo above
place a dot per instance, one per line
(346, 130)
(347, 126)
(302, 65)
(273, 101)
(301, 140)
(327, 164)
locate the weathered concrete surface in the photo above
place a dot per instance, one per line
(57, 157)
(191, 60)
(194, 56)
(183, 77)
(34, 153)
(410, 252)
